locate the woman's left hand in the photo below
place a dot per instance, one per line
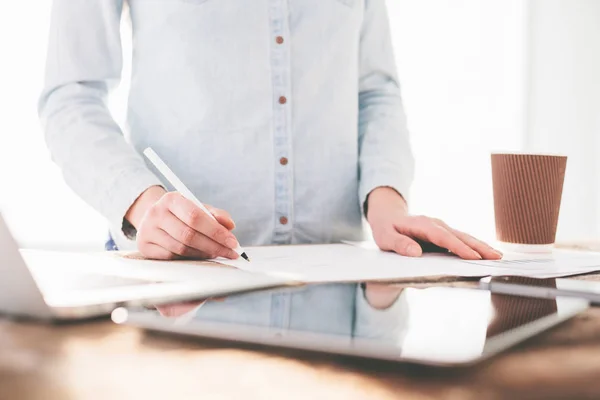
(395, 230)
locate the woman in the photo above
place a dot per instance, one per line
(285, 113)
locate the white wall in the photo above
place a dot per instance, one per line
(564, 104)
(461, 66)
(39, 207)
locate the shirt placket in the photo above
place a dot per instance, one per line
(282, 98)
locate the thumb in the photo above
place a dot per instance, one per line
(222, 217)
(402, 245)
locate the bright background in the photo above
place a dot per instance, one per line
(477, 76)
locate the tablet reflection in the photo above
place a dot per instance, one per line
(514, 311)
(437, 324)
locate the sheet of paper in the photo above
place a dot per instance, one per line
(342, 262)
(556, 264)
(548, 266)
(120, 264)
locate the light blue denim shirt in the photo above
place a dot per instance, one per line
(334, 309)
(286, 113)
(328, 308)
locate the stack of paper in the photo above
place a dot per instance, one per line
(325, 263)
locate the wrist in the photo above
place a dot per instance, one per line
(142, 204)
(385, 197)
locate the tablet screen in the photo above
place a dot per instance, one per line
(438, 325)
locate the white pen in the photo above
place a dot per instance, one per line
(181, 188)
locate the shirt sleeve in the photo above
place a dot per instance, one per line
(385, 154)
(84, 62)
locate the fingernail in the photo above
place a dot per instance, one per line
(477, 255)
(413, 250)
(499, 254)
(231, 243)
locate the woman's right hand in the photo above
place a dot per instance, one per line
(169, 226)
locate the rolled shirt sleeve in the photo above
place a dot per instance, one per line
(386, 157)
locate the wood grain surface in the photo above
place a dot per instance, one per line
(99, 360)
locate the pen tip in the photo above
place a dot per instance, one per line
(245, 257)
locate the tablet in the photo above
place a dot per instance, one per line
(543, 288)
(434, 326)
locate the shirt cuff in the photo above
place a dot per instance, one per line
(372, 179)
(122, 193)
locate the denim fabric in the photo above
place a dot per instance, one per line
(286, 113)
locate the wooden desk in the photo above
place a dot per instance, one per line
(100, 360)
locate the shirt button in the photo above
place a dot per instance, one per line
(282, 100)
(283, 161)
(283, 221)
(279, 39)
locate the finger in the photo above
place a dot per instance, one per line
(198, 220)
(485, 250)
(155, 252)
(187, 236)
(425, 228)
(167, 242)
(401, 244)
(222, 217)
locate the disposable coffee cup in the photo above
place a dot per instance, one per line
(527, 196)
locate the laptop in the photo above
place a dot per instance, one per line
(437, 326)
(57, 286)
